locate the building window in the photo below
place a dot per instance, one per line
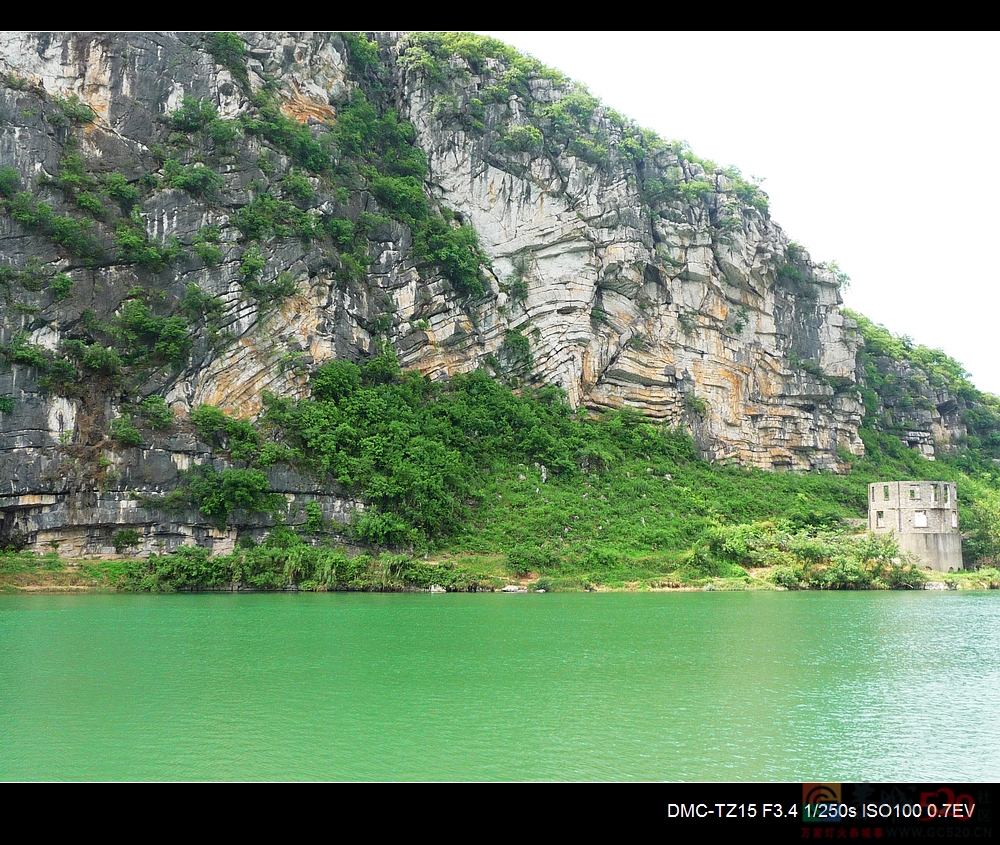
(914, 492)
(885, 491)
(936, 492)
(954, 519)
(920, 519)
(946, 491)
(880, 519)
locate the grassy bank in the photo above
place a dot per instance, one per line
(473, 487)
(323, 569)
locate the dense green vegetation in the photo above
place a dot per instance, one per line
(468, 470)
(104, 226)
(368, 148)
(73, 234)
(901, 377)
(471, 468)
(368, 153)
(576, 123)
(282, 561)
(379, 148)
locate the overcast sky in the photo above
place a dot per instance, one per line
(876, 150)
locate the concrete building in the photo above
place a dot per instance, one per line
(924, 517)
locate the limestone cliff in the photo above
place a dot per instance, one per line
(190, 217)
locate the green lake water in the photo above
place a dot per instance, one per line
(661, 686)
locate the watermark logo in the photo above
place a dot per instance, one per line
(821, 802)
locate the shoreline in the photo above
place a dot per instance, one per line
(50, 576)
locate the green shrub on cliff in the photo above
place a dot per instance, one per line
(289, 135)
(362, 53)
(75, 110)
(124, 432)
(229, 50)
(126, 538)
(134, 246)
(72, 234)
(522, 139)
(148, 336)
(198, 180)
(193, 115)
(121, 190)
(217, 494)
(9, 181)
(267, 216)
(155, 412)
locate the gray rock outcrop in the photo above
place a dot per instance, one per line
(628, 275)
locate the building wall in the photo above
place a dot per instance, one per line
(942, 552)
(923, 515)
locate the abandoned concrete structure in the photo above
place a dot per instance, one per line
(924, 517)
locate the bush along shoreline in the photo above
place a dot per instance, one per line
(472, 486)
(294, 567)
(486, 480)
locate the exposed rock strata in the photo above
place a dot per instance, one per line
(926, 418)
(678, 308)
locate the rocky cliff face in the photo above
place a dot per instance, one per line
(205, 218)
(923, 397)
(927, 418)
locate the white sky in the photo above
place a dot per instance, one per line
(877, 151)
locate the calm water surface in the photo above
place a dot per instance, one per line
(673, 686)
